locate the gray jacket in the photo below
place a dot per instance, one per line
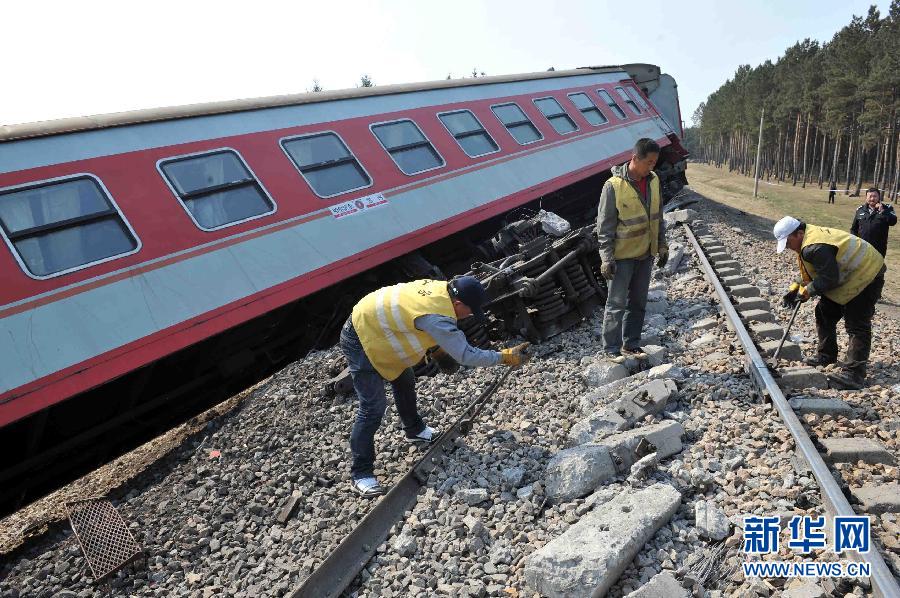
(608, 215)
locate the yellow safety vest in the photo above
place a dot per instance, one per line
(858, 262)
(637, 231)
(385, 322)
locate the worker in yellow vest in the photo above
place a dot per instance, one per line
(390, 331)
(631, 232)
(848, 275)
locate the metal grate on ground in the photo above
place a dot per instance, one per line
(104, 538)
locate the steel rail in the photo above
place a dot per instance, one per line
(345, 562)
(882, 580)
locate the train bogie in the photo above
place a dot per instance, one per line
(157, 255)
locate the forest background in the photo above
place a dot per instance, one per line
(829, 111)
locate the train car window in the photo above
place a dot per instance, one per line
(588, 108)
(410, 149)
(216, 188)
(611, 103)
(517, 123)
(637, 97)
(628, 100)
(58, 226)
(556, 114)
(468, 132)
(327, 165)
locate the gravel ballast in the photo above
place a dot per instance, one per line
(206, 512)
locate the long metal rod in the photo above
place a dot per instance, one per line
(787, 331)
(346, 561)
(882, 579)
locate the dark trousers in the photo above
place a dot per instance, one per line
(627, 300)
(831, 197)
(857, 316)
(369, 386)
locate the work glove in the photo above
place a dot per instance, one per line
(797, 293)
(608, 269)
(515, 356)
(790, 298)
(663, 257)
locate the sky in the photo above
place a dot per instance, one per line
(63, 58)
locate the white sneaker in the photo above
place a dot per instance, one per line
(426, 436)
(367, 487)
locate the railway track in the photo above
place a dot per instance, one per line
(343, 564)
(478, 519)
(883, 581)
(352, 554)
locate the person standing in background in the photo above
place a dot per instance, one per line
(872, 220)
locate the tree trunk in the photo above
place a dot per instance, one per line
(806, 150)
(895, 165)
(892, 149)
(877, 167)
(796, 152)
(730, 160)
(822, 153)
(777, 155)
(896, 185)
(748, 154)
(859, 167)
(832, 176)
(784, 157)
(850, 149)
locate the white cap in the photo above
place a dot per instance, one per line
(783, 228)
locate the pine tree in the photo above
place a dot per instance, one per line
(832, 110)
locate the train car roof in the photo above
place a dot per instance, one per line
(115, 119)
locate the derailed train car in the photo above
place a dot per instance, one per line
(158, 261)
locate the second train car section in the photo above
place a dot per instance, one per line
(131, 238)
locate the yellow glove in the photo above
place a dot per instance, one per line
(791, 296)
(803, 294)
(515, 356)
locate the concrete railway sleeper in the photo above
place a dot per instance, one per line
(707, 252)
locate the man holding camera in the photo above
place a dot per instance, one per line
(872, 221)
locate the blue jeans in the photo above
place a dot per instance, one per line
(369, 386)
(627, 297)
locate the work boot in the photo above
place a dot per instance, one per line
(819, 360)
(613, 357)
(636, 353)
(847, 380)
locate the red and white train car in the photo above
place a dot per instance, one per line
(139, 245)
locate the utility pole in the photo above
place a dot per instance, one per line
(758, 152)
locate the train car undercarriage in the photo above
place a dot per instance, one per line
(539, 283)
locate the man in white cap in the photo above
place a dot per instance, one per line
(848, 274)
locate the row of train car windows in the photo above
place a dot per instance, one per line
(54, 227)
